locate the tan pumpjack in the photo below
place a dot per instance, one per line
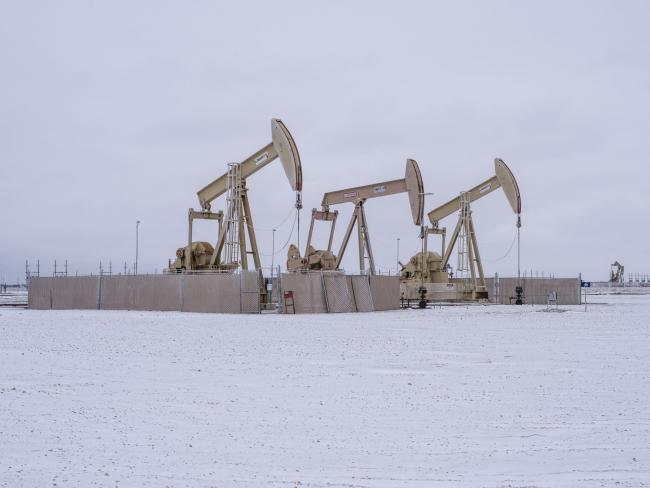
(239, 220)
(411, 184)
(469, 256)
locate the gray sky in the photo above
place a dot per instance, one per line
(117, 111)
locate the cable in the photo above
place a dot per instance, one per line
(260, 229)
(507, 252)
(287, 242)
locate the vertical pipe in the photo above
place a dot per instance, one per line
(298, 207)
(519, 250)
(422, 258)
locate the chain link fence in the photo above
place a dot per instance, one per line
(535, 290)
(338, 294)
(206, 292)
(242, 292)
(334, 292)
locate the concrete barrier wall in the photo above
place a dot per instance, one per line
(535, 290)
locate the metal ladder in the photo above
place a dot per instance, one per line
(462, 268)
(233, 215)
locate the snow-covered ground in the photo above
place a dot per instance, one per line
(13, 297)
(480, 396)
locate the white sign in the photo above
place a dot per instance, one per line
(261, 158)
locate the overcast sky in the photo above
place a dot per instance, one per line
(117, 111)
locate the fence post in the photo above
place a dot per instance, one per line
(280, 293)
(99, 292)
(260, 279)
(372, 299)
(322, 280)
(241, 294)
(182, 279)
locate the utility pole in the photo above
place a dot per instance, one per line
(137, 229)
(397, 264)
(272, 254)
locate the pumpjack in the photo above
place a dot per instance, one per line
(358, 196)
(432, 270)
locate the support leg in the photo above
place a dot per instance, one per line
(243, 255)
(361, 239)
(311, 230)
(470, 258)
(248, 217)
(346, 239)
(366, 237)
(452, 243)
(477, 256)
(256, 255)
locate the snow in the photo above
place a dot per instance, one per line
(465, 396)
(13, 297)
